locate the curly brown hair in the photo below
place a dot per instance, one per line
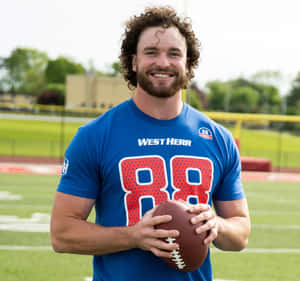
(152, 17)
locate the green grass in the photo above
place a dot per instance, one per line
(272, 206)
(41, 138)
(282, 149)
(34, 138)
(43, 266)
(256, 267)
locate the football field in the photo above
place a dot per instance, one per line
(273, 252)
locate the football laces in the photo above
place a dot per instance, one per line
(176, 257)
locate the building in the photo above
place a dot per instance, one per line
(95, 91)
(20, 99)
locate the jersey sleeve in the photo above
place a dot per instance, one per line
(230, 187)
(80, 174)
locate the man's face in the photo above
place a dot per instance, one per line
(161, 61)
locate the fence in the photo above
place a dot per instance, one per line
(275, 137)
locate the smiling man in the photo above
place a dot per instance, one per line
(149, 149)
(161, 62)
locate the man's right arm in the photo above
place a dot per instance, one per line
(72, 233)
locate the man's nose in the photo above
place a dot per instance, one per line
(163, 60)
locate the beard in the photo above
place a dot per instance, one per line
(161, 91)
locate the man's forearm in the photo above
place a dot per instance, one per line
(82, 237)
(232, 233)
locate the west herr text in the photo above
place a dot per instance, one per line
(164, 141)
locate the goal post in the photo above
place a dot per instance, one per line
(265, 136)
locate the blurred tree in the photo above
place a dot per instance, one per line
(58, 69)
(194, 99)
(269, 99)
(112, 70)
(23, 71)
(116, 68)
(217, 92)
(244, 99)
(293, 97)
(52, 94)
(265, 99)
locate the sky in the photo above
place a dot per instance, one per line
(238, 38)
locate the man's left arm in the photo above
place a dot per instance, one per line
(229, 227)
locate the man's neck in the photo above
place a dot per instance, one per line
(159, 108)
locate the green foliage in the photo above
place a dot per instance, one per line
(56, 87)
(194, 99)
(243, 99)
(293, 98)
(58, 69)
(242, 95)
(53, 94)
(24, 71)
(113, 70)
(116, 68)
(217, 94)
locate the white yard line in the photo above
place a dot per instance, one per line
(38, 222)
(6, 195)
(11, 116)
(266, 250)
(275, 213)
(272, 251)
(272, 226)
(25, 248)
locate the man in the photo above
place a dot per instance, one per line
(149, 149)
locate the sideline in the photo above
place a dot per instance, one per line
(39, 169)
(47, 169)
(58, 118)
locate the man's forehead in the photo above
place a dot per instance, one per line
(162, 37)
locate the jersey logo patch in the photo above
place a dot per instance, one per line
(65, 167)
(205, 133)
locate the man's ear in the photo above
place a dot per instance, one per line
(133, 62)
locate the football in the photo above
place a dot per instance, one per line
(192, 250)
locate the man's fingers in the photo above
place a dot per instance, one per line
(162, 254)
(206, 226)
(196, 209)
(161, 233)
(204, 216)
(212, 236)
(160, 219)
(162, 248)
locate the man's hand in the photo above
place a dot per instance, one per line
(147, 238)
(204, 213)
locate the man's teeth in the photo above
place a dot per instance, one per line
(161, 75)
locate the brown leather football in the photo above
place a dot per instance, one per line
(192, 251)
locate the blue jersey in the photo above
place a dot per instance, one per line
(129, 162)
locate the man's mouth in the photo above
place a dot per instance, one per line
(162, 75)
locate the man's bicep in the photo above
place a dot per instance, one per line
(66, 205)
(233, 208)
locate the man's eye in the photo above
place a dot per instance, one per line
(150, 53)
(175, 54)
